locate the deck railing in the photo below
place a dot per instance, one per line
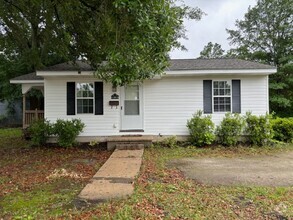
(31, 115)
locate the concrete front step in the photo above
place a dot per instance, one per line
(128, 142)
(129, 146)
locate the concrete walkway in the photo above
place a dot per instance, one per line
(114, 179)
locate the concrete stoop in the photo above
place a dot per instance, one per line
(128, 142)
(129, 146)
(114, 179)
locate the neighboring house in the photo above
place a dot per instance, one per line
(3, 106)
(159, 106)
(11, 120)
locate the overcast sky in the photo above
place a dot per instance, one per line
(221, 14)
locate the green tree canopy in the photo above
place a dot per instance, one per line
(212, 51)
(265, 35)
(125, 40)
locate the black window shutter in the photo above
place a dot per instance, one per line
(70, 98)
(99, 98)
(207, 97)
(236, 96)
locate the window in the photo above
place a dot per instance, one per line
(85, 98)
(131, 102)
(222, 96)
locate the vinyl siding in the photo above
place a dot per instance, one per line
(96, 125)
(253, 96)
(167, 103)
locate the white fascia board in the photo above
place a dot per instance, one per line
(65, 73)
(27, 82)
(170, 73)
(221, 72)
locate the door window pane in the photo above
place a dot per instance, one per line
(131, 103)
(132, 92)
(131, 107)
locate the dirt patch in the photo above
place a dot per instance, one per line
(273, 170)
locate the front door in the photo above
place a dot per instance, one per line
(131, 107)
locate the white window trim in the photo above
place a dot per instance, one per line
(76, 98)
(224, 96)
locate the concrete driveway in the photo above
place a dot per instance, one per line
(273, 170)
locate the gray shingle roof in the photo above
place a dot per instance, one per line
(70, 66)
(28, 77)
(215, 64)
(175, 64)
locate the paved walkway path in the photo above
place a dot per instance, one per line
(115, 178)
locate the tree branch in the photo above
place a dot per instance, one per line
(93, 8)
(14, 5)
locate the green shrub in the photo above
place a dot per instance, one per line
(258, 129)
(201, 129)
(67, 131)
(283, 129)
(40, 131)
(230, 129)
(170, 142)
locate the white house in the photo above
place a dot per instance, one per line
(157, 107)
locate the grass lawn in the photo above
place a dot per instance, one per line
(160, 192)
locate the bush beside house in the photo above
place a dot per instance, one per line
(66, 131)
(40, 131)
(258, 130)
(201, 129)
(230, 129)
(283, 129)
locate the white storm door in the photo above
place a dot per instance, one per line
(131, 107)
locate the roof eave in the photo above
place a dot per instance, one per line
(168, 72)
(26, 81)
(65, 73)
